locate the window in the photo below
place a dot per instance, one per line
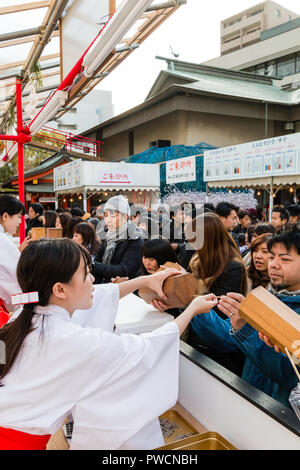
(68, 127)
(260, 69)
(256, 12)
(231, 39)
(298, 62)
(286, 66)
(234, 22)
(131, 142)
(278, 13)
(249, 70)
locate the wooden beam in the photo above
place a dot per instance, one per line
(152, 21)
(12, 84)
(22, 62)
(43, 146)
(16, 42)
(24, 7)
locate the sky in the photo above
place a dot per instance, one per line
(193, 31)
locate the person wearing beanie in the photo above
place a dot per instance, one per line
(120, 253)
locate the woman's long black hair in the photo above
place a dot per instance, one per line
(159, 249)
(42, 264)
(11, 205)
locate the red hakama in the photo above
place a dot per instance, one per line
(10, 439)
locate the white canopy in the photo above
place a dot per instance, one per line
(81, 175)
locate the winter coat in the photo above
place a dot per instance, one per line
(126, 260)
(264, 368)
(32, 223)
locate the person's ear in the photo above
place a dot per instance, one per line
(5, 216)
(59, 291)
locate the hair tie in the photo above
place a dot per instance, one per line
(25, 298)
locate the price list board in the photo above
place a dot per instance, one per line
(269, 157)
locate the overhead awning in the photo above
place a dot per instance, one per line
(39, 188)
(76, 176)
(240, 183)
(286, 179)
(98, 189)
(256, 183)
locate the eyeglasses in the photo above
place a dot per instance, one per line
(110, 213)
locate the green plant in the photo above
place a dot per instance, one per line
(36, 75)
(11, 115)
(6, 172)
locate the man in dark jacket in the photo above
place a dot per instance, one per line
(35, 213)
(264, 368)
(120, 253)
(228, 214)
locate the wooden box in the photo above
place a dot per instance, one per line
(180, 290)
(53, 232)
(266, 313)
(36, 233)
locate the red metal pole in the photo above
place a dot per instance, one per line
(20, 153)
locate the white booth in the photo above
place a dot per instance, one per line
(270, 163)
(140, 183)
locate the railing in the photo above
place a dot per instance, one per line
(72, 142)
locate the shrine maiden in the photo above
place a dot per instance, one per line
(11, 211)
(114, 386)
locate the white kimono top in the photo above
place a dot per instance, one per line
(9, 257)
(114, 386)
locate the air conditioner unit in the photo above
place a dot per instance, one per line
(289, 126)
(160, 143)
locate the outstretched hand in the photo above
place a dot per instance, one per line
(203, 303)
(230, 305)
(155, 281)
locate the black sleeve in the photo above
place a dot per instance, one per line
(229, 281)
(100, 252)
(185, 256)
(127, 266)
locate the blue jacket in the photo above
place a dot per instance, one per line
(264, 368)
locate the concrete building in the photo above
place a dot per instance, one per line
(246, 27)
(191, 103)
(276, 55)
(93, 109)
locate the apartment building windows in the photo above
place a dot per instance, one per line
(286, 66)
(254, 13)
(278, 13)
(298, 62)
(282, 67)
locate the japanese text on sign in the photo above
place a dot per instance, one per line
(181, 170)
(111, 177)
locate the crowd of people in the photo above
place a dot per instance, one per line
(117, 247)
